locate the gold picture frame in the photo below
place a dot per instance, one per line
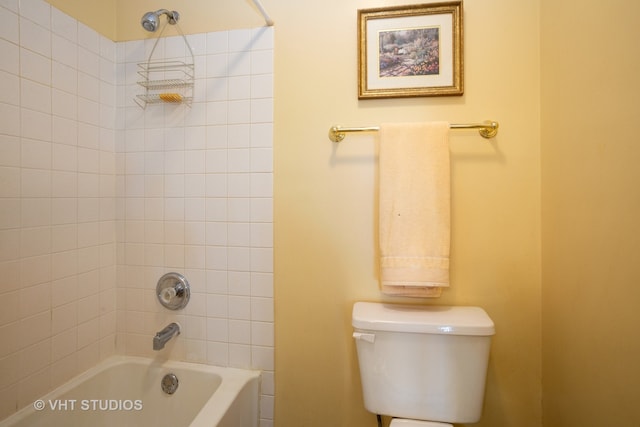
(410, 51)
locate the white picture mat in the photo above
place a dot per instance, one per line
(443, 79)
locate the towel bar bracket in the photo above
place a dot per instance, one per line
(335, 135)
(489, 130)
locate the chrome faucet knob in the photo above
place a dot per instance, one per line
(173, 291)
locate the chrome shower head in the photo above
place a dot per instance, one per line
(151, 20)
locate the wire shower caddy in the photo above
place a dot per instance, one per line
(167, 81)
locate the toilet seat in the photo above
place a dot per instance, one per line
(400, 422)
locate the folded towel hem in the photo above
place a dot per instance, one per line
(412, 291)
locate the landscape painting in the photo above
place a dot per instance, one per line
(409, 52)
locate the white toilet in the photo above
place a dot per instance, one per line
(423, 365)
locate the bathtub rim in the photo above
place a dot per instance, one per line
(233, 381)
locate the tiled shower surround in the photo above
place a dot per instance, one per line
(100, 197)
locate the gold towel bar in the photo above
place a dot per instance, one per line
(487, 129)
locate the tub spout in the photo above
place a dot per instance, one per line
(161, 338)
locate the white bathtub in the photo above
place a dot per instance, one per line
(126, 391)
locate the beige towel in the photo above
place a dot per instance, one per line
(414, 208)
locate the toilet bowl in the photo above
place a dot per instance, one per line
(423, 365)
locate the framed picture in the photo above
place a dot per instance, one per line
(407, 51)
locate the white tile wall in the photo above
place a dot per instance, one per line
(99, 198)
(57, 243)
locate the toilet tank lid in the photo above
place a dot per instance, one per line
(426, 319)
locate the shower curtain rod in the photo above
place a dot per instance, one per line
(264, 13)
(487, 129)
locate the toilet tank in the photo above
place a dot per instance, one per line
(423, 362)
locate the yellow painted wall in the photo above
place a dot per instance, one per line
(325, 204)
(325, 196)
(99, 15)
(591, 211)
(196, 16)
(119, 20)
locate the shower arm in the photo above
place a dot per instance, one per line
(172, 16)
